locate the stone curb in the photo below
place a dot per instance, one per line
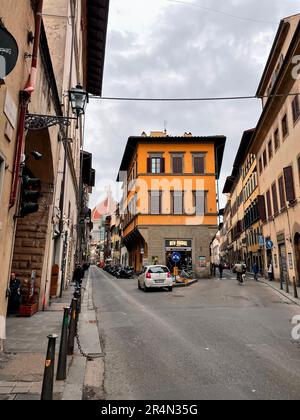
(190, 283)
(281, 292)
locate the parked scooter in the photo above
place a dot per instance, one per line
(125, 273)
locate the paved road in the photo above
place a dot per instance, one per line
(214, 340)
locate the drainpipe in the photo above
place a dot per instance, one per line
(25, 96)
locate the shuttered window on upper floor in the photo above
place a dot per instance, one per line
(275, 199)
(199, 163)
(289, 184)
(156, 165)
(296, 108)
(281, 193)
(177, 164)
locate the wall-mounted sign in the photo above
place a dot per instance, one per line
(269, 244)
(179, 244)
(9, 52)
(202, 262)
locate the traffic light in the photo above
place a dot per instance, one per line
(30, 193)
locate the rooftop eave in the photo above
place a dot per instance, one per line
(97, 22)
(280, 38)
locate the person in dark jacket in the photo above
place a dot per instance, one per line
(14, 300)
(221, 269)
(78, 275)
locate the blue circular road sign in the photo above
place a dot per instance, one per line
(176, 257)
(269, 245)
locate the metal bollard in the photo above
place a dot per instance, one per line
(287, 285)
(72, 327)
(281, 283)
(48, 381)
(61, 374)
(295, 288)
(77, 295)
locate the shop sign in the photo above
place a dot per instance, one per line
(261, 241)
(202, 262)
(179, 244)
(9, 52)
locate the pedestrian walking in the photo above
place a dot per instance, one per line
(221, 269)
(255, 270)
(78, 275)
(270, 272)
(14, 294)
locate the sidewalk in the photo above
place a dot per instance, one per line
(22, 363)
(276, 286)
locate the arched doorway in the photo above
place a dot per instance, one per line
(297, 255)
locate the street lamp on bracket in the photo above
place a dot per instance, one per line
(79, 99)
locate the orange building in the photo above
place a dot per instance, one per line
(170, 198)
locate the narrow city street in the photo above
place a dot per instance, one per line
(214, 340)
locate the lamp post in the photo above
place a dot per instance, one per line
(78, 99)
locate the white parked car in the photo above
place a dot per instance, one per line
(155, 276)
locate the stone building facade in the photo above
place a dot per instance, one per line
(46, 243)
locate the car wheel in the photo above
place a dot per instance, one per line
(146, 289)
(170, 289)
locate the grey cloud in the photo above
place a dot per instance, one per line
(189, 53)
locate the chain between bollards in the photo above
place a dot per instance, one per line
(48, 381)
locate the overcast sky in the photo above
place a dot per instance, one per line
(163, 48)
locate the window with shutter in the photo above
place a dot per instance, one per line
(155, 202)
(177, 164)
(296, 108)
(289, 184)
(275, 199)
(200, 202)
(269, 204)
(199, 164)
(285, 126)
(262, 208)
(276, 139)
(281, 193)
(177, 202)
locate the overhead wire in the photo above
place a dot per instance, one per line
(212, 10)
(200, 99)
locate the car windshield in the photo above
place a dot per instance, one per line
(158, 270)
